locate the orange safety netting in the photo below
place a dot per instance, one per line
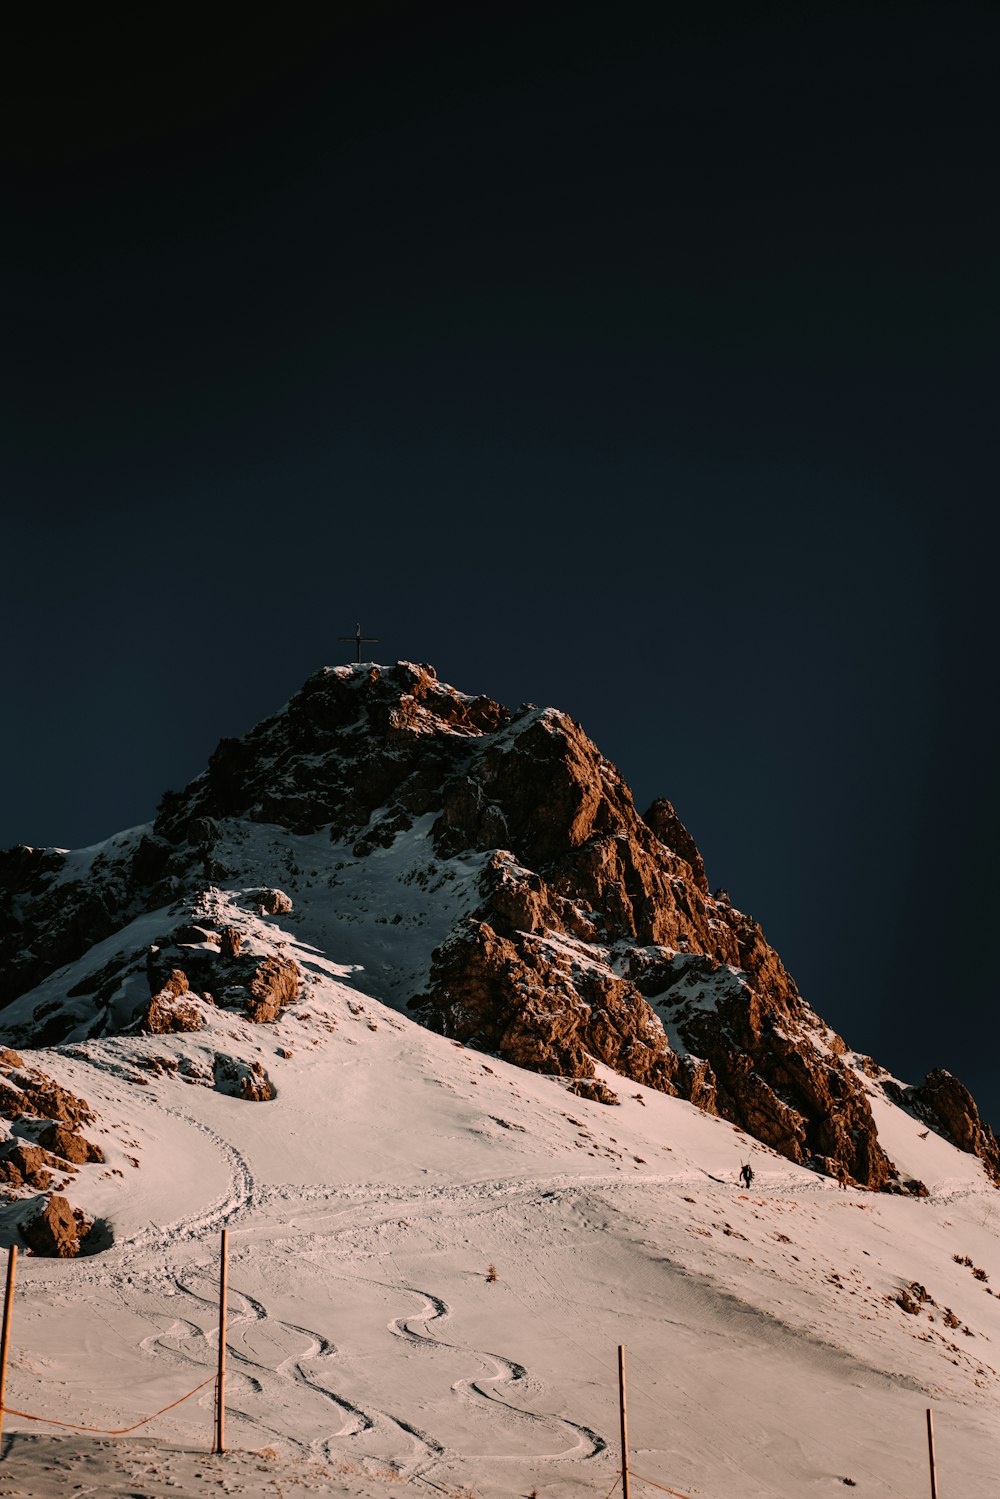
(122, 1431)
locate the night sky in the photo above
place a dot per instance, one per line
(640, 365)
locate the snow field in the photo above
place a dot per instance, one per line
(370, 1353)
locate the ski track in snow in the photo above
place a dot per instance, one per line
(506, 1373)
(358, 1419)
(292, 1367)
(195, 1225)
(186, 1338)
(285, 1376)
(242, 1193)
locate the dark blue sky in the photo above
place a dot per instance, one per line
(640, 366)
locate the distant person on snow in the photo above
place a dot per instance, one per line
(746, 1176)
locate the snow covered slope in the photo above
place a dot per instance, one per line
(440, 1232)
(768, 1350)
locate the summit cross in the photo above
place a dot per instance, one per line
(359, 639)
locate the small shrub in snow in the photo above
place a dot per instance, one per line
(910, 1298)
(964, 1259)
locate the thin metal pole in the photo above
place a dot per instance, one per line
(220, 1389)
(621, 1401)
(8, 1304)
(930, 1453)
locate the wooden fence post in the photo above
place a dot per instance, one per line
(8, 1304)
(930, 1453)
(621, 1402)
(220, 1388)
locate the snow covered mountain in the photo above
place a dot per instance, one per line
(486, 871)
(403, 987)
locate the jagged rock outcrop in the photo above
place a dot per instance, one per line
(169, 1010)
(594, 1089)
(661, 818)
(366, 741)
(274, 984)
(261, 985)
(948, 1107)
(779, 1072)
(28, 1092)
(586, 933)
(57, 1229)
(247, 1080)
(39, 929)
(532, 1005)
(68, 1145)
(273, 902)
(612, 877)
(230, 942)
(361, 751)
(24, 1165)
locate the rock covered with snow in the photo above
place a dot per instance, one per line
(486, 869)
(261, 984)
(949, 1107)
(169, 1009)
(246, 1080)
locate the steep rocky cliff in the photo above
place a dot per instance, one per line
(489, 871)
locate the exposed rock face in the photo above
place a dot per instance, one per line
(583, 866)
(169, 1010)
(949, 1107)
(23, 1165)
(262, 985)
(366, 741)
(273, 903)
(29, 1095)
(275, 983)
(247, 1080)
(589, 937)
(532, 1006)
(779, 1072)
(27, 1091)
(594, 1089)
(33, 914)
(664, 822)
(68, 1145)
(56, 1229)
(231, 942)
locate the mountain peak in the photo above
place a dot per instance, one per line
(488, 871)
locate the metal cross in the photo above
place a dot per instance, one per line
(359, 639)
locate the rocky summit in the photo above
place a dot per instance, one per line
(484, 870)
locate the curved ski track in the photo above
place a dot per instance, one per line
(255, 1317)
(193, 1225)
(506, 1373)
(499, 1373)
